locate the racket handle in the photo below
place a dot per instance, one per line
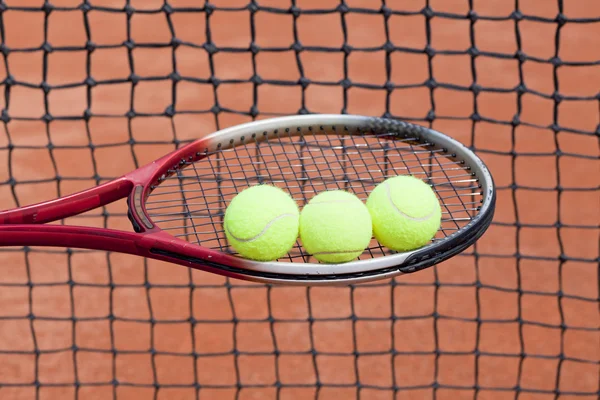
(69, 236)
(68, 206)
(157, 245)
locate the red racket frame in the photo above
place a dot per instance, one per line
(25, 226)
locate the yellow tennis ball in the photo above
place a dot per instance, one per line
(405, 211)
(261, 223)
(335, 227)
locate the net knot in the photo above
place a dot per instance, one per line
(85, 7)
(170, 111)
(210, 47)
(45, 87)
(9, 81)
(90, 46)
(428, 12)
(431, 83)
(297, 46)
(561, 19)
(47, 7)
(342, 8)
(129, 10)
(473, 51)
(304, 82)
(295, 11)
(557, 97)
(209, 8)
(385, 11)
(47, 47)
(134, 79)
(516, 15)
(167, 9)
(130, 44)
(256, 79)
(175, 42)
(388, 46)
(5, 117)
(430, 51)
(174, 76)
(473, 16)
(91, 82)
(252, 7)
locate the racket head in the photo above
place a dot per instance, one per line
(189, 191)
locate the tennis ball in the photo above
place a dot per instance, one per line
(335, 227)
(405, 211)
(261, 223)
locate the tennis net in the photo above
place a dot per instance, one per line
(93, 89)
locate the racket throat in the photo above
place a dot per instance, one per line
(135, 210)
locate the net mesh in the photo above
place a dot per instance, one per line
(93, 89)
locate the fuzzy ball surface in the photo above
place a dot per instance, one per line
(405, 211)
(261, 223)
(335, 227)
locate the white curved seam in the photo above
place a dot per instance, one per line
(261, 232)
(425, 218)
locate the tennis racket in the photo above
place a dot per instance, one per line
(177, 203)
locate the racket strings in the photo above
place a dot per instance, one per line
(191, 203)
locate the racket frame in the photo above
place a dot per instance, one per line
(27, 226)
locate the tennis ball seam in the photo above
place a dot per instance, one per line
(258, 235)
(389, 196)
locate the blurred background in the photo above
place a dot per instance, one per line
(93, 89)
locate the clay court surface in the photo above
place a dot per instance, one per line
(515, 316)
